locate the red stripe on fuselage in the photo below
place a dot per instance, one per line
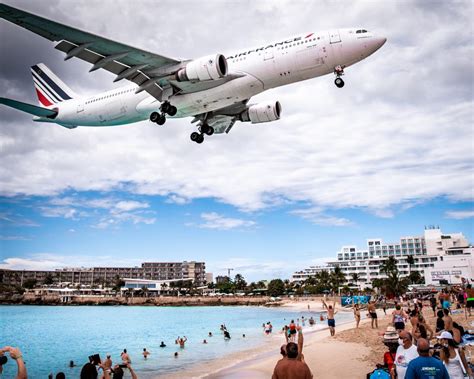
(43, 100)
(309, 35)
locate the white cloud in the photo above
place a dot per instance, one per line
(58, 212)
(459, 215)
(124, 206)
(214, 220)
(13, 238)
(48, 261)
(316, 216)
(175, 199)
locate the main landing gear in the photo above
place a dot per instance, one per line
(160, 117)
(204, 129)
(339, 71)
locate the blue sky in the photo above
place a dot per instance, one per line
(386, 155)
(116, 228)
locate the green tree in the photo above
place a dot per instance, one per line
(410, 261)
(48, 279)
(276, 287)
(393, 284)
(145, 290)
(239, 282)
(30, 283)
(416, 278)
(337, 278)
(118, 283)
(355, 278)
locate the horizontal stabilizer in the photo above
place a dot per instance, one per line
(29, 108)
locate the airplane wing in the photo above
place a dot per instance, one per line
(148, 70)
(29, 108)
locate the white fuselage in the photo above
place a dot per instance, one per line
(273, 65)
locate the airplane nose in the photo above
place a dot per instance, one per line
(379, 42)
(375, 43)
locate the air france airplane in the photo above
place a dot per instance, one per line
(214, 89)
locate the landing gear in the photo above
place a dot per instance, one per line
(339, 82)
(158, 118)
(165, 108)
(339, 71)
(203, 129)
(197, 137)
(206, 129)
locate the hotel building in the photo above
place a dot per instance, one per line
(437, 256)
(107, 275)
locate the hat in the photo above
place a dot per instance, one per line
(390, 335)
(445, 335)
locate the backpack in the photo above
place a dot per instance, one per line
(380, 374)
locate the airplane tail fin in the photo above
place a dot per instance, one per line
(49, 88)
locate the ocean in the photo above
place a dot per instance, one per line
(51, 336)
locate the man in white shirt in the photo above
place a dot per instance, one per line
(406, 352)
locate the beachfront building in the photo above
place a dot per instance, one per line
(432, 252)
(94, 276)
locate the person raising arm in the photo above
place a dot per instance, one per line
(15, 354)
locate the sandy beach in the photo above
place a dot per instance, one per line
(352, 353)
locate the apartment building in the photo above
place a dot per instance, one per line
(94, 276)
(429, 251)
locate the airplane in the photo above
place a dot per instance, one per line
(214, 89)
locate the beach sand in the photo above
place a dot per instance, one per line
(352, 353)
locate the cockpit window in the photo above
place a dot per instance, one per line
(361, 31)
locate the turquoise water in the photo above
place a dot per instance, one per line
(50, 337)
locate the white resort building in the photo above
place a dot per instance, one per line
(437, 257)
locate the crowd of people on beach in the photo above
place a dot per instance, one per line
(419, 346)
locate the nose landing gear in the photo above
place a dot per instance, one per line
(165, 108)
(339, 71)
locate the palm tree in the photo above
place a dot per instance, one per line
(240, 282)
(393, 283)
(163, 287)
(337, 278)
(356, 278)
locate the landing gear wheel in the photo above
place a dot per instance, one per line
(204, 128)
(161, 119)
(172, 110)
(165, 107)
(210, 131)
(154, 116)
(339, 82)
(200, 138)
(195, 136)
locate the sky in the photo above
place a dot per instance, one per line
(387, 155)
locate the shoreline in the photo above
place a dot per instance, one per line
(256, 367)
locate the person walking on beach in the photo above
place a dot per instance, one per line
(399, 317)
(448, 321)
(331, 309)
(453, 357)
(406, 352)
(425, 366)
(356, 310)
(433, 304)
(373, 314)
(292, 331)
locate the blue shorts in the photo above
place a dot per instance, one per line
(446, 304)
(332, 322)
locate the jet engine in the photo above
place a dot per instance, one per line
(262, 112)
(211, 67)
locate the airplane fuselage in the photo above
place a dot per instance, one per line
(295, 59)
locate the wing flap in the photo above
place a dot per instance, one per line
(29, 108)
